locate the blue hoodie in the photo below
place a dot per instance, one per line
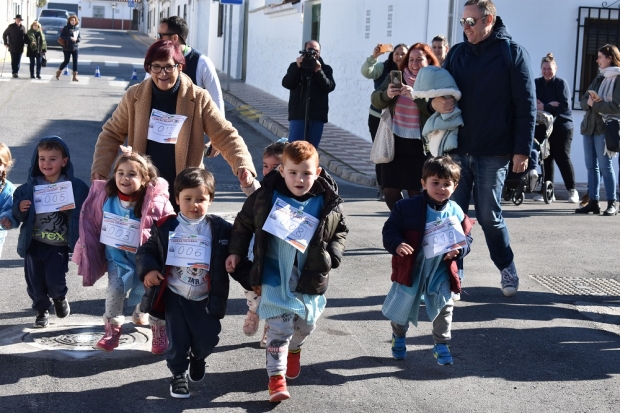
(25, 192)
(499, 100)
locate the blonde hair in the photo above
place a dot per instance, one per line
(37, 23)
(5, 159)
(549, 59)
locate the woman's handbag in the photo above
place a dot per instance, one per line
(383, 147)
(43, 60)
(612, 135)
(62, 41)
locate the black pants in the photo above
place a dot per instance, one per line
(16, 59)
(36, 60)
(68, 55)
(560, 143)
(189, 327)
(373, 125)
(46, 267)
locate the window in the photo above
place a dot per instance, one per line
(185, 12)
(178, 10)
(596, 27)
(99, 12)
(220, 21)
(316, 22)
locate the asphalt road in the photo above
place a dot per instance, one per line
(554, 347)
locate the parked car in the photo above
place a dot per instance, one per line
(54, 13)
(51, 29)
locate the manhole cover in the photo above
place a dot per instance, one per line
(580, 286)
(78, 338)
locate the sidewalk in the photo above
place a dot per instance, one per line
(342, 153)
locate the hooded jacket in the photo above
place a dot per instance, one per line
(26, 192)
(89, 253)
(325, 249)
(499, 100)
(321, 83)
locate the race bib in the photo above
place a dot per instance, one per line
(291, 225)
(164, 128)
(53, 197)
(120, 232)
(443, 236)
(188, 250)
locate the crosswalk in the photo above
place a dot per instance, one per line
(65, 80)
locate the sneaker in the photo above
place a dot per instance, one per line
(179, 388)
(61, 305)
(263, 341)
(250, 325)
(510, 280)
(196, 368)
(42, 319)
(442, 354)
(456, 297)
(293, 365)
(277, 389)
(573, 196)
(541, 198)
(139, 318)
(399, 347)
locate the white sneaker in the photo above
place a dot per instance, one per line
(538, 197)
(573, 196)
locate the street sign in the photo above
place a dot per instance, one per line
(231, 1)
(131, 3)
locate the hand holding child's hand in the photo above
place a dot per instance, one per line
(404, 249)
(24, 205)
(6, 223)
(257, 290)
(153, 278)
(231, 263)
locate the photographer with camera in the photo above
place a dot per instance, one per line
(310, 80)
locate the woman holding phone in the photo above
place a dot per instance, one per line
(408, 119)
(601, 99)
(378, 71)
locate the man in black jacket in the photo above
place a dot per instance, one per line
(308, 74)
(14, 38)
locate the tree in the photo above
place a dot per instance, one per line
(41, 3)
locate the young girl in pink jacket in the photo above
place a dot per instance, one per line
(116, 219)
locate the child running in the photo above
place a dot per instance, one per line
(425, 234)
(6, 195)
(116, 219)
(272, 158)
(48, 206)
(185, 256)
(291, 267)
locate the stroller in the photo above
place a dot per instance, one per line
(517, 185)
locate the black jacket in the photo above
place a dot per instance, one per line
(15, 37)
(556, 90)
(67, 33)
(321, 83)
(152, 256)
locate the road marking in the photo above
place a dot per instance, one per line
(111, 64)
(118, 83)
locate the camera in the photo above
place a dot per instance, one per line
(309, 63)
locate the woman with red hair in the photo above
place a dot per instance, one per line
(408, 118)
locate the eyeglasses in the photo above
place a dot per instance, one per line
(161, 35)
(470, 21)
(167, 69)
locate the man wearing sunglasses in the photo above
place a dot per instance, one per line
(498, 106)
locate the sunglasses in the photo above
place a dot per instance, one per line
(161, 35)
(470, 21)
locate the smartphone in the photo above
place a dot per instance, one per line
(594, 95)
(396, 77)
(208, 150)
(386, 47)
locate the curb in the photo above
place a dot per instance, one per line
(334, 166)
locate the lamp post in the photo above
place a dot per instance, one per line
(113, 10)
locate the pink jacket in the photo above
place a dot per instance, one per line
(89, 253)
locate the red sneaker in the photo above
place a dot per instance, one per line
(293, 366)
(277, 389)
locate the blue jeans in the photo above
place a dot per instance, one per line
(485, 175)
(296, 131)
(598, 163)
(69, 55)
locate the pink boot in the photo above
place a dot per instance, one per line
(112, 335)
(160, 339)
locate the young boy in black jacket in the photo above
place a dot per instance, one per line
(185, 256)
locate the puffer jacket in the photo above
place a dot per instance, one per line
(37, 44)
(325, 249)
(592, 123)
(26, 192)
(89, 253)
(67, 33)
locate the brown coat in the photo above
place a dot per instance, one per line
(131, 120)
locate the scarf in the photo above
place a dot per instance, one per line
(406, 119)
(606, 91)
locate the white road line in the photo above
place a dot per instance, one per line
(111, 64)
(118, 83)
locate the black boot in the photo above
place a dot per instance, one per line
(591, 207)
(611, 209)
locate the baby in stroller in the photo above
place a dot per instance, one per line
(517, 185)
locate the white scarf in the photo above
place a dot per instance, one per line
(606, 91)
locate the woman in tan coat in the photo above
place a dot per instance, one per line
(166, 117)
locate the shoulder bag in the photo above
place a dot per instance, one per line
(383, 147)
(612, 135)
